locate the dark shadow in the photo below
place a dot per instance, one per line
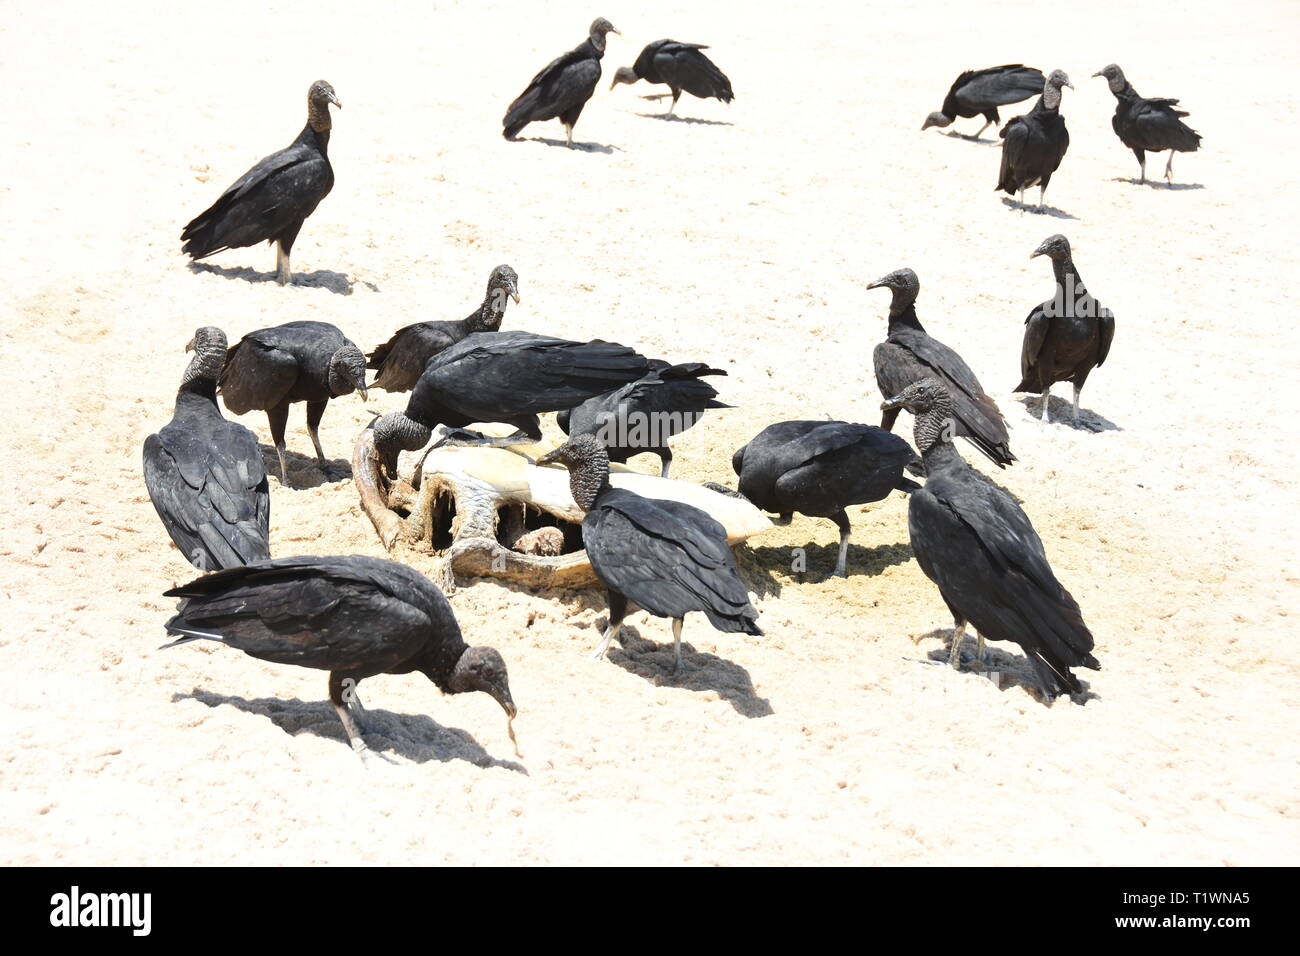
(1156, 184)
(304, 470)
(861, 561)
(971, 138)
(1030, 207)
(698, 121)
(700, 672)
(1005, 670)
(336, 282)
(1060, 411)
(415, 737)
(584, 147)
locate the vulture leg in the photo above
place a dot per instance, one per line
(979, 647)
(666, 459)
(673, 105)
(1022, 200)
(282, 273)
(1077, 390)
(351, 726)
(842, 522)
(887, 420)
(315, 411)
(568, 134)
(677, 644)
(1047, 400)
(1169, 169)
(1042, 191)
(617, 611)
(277, 418)
(1142, 164)
(954, 654)
(987, 124)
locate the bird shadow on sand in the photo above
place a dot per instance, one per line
(336, 282)
(819, 560)
(700, 672)
(1030, 207)
(415, 737)
(1060, 411)
(1154, 184)
(1005, 670)
(695, 120)
(969, 138)
(583, 147)
(304, 471)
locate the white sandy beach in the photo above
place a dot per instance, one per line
(743, 237)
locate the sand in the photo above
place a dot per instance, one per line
(744, 237)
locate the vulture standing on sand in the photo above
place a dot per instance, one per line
(908, 354)
(1148, 126)
(507, 377)
(981, 92)
(680, 66)
(665, 557)
(821, 468)
(1033, 145)
(205, 474)
(1067, 336)
(642, 416)
(976, 544)
(271, 369)
(401, 359)
(353, 616)
(563, 87)
(270, 202)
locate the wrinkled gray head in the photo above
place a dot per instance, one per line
(1052, 88)
(1054, 247)
(588, 464)
(599, 27)
(624, 74)
(936, 119)
(348, 371)
(319, 97)
(483, 669)
(903, 283)
(396, 433)
(930, 402)
(1114, 77)
(209, 348)
(1057, 79)
(920, 397)
(505, 280)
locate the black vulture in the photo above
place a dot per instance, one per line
(563, 87)
(353, 616)
(508, 377)
(819, 468)
(1033, 145)
(205, 474)
(270, 202)
(642, 416)
(1148, 126)
(908, 354)
(271, 369)
(981, 92)
(402, 358)
(680, 66)
(665, 557)
(1067, 336)
(976, 544)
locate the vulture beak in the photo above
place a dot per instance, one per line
(892, 403)
(336, 101)
(878, 284)
(189, 346)
(1036, 253)
(514, 292)
(361, 390)
(1099, 73)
